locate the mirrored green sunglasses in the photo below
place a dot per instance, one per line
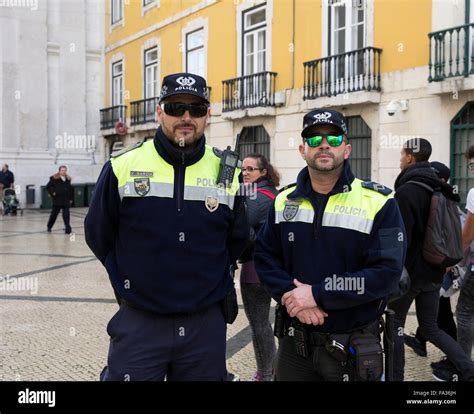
(333, 140)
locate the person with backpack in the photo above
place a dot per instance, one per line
(417, 186)
(445, 314)
(260, 178)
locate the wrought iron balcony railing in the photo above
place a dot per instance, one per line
(110, 116)
(352, 71)
(143, 111)
(249, 91)
(451, 53)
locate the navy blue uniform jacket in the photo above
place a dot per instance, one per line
(312, 253)
(138, 240)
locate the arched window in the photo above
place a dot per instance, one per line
(254, 139)
(360, 138)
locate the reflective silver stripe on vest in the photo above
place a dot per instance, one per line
(156, 190)
(346, 221)
(302, 215)
(190, 192)
(197, 193)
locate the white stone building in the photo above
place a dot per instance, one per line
(51, 90)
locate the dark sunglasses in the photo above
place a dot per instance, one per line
(333, 140)
(178, 109)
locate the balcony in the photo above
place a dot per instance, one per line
(249, 91)
(358, 70)
(110, 116)
(143, 111)
(451, 53)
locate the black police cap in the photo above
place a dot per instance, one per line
(324, 117)
(184, 84)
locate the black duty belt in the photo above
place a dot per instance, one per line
(336, 344)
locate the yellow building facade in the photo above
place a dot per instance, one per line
(269, 62)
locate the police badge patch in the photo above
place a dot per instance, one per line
(212, 203)
(290, 211)
(142, 186)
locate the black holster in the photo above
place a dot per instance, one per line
(230, 307)
(280, 316)
(296, 331)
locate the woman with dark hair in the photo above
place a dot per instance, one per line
(260, 179)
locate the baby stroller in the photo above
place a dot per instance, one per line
(10, 203)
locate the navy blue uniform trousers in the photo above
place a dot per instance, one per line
(180, 347)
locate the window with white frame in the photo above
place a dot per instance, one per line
(148, 5)
(347, 22)
(195, 53)
(151, 73)
(254, 40)
(117, 83)
(117, 11)
(348, 25)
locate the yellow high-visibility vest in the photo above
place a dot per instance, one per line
(353, 210)
(142, 172)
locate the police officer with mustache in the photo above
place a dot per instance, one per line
(331, 252)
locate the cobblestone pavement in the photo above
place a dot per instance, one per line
(52, 325)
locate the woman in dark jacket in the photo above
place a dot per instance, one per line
(60, 189)
(262, 179)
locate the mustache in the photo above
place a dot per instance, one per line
(184, 125)
(324, 153)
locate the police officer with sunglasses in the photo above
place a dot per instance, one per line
(168, 236)
(331, 252)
